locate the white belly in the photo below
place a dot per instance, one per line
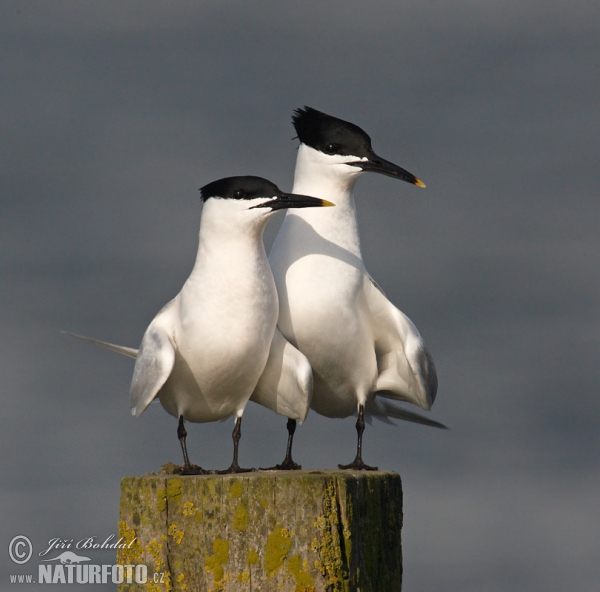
(322, 312)
(222, 350)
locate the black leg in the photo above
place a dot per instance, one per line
(235, 467)
(288, 464)
(358, 464)
(187, 469)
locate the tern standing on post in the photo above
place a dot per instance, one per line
(205, 351)
(358, 344)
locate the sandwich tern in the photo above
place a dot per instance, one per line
(216, 343)
(362, 349)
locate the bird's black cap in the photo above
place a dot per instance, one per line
(329, 134)
(244, 187)
(249, 187)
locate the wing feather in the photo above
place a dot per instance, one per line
(406, 369)
(153, 367)
(385, 409)
(130, 352)
(285, 385)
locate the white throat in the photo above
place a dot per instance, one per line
(327, 177)
(330, 175)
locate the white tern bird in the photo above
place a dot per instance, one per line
(358, 344)
(216, 344)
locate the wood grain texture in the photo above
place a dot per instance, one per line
(289, 531)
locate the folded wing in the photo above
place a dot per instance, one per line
(406, 370)
(153, 366)
(285, 385)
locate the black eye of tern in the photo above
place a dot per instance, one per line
(239, 194)
(331, 148)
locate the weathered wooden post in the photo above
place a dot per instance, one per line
(301, 531)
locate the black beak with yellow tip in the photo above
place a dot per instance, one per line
(293, 200)
(376, 164)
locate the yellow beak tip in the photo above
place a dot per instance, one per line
(420, 183)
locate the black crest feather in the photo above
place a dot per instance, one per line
(329, 134)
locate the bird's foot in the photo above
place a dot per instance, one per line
(287, 465)
(193, 470)
(358, 465)
(234, 468)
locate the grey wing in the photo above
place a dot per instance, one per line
(285, 385)
(153, 366)
(120, 349)
(406, 369)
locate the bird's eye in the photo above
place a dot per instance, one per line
(331, 148)
(239, 194)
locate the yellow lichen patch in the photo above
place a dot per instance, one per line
(244, 577)
(278, 546)
(220, 586)
(303, 581)
(182, 585)
(174, 488)
(252, 557)
(161, 499)
(131, 554)
(154, 549)
(189, 509)
(236, 490)
(175, 533)
(220, 556)
(328, 544)
(164, 586)
(240, 517)
(263, 502)
(212, 487)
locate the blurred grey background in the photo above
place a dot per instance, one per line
(113, 113)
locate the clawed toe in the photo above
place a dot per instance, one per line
(233, 469)
(286, 465)
(193, 470)
(358, 465)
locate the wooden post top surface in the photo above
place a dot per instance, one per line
(305, 530)
(171, 470)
